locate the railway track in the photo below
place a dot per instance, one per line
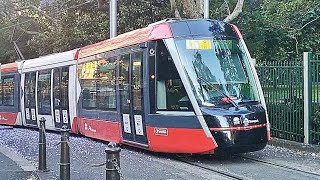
(225, 168)
(211, 169)
(277, 165)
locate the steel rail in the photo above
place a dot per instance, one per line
(277, 165)
(223, 173)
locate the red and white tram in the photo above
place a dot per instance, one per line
(177, 86)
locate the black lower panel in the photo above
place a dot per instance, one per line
(241, 141)
(240, 149)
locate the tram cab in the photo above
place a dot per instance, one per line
(204, 79)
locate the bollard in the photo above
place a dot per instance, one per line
(65, 154)
(113, 161)
(42, 146)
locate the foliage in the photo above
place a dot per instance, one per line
(280, 30)
(79, 24)
(273, 30)
(68, 24)
(138, 14)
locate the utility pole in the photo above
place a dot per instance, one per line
(206, 9)
(113, 18)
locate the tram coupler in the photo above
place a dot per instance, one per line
(42, 146)
(113, 161)
(65, 154)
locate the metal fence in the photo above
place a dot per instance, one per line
(314, 103)
(291, 90)
(282, 84)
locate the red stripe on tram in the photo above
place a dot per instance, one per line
(240, 128)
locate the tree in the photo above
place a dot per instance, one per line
(17, 26)
(138, 14)
(194, 9)
(272, 29)
(237, 10)
(69, 24)
(280, 30)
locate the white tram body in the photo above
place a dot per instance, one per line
(44, 81)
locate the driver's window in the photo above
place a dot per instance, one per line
(170, 92)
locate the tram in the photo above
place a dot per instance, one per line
(176, 86)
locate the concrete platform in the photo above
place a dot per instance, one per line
(15, 167)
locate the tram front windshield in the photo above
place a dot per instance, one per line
(218, 70)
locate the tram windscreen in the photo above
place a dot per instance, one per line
(217, 68)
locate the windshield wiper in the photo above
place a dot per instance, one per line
(218, 90)
(247, 101)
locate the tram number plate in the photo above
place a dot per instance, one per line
(161, 131)
(126, 123)
(138, 124)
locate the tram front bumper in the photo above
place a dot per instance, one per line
(240, 141)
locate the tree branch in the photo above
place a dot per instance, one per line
(237, 10)
(224, 8)
(26, 31)
(309, 23)
(174, 9)
(38, 10)
(193, 8)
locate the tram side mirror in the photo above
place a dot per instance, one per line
(143, 45)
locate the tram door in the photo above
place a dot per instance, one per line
(30, 99)
(131, 98)
(44, 96)
(61, 97)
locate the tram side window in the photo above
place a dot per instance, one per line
(7, 91)
(88, 84)
(124, 84)
(44, 92)
(171, 94)
(106, 84)
(1, 93)
(64, 86)
(98, 84)
(56, 87)
(60, 87)
(30, 89)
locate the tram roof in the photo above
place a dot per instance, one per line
(11, 67)
(161, 30)
(153, 32)
(50, 61)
